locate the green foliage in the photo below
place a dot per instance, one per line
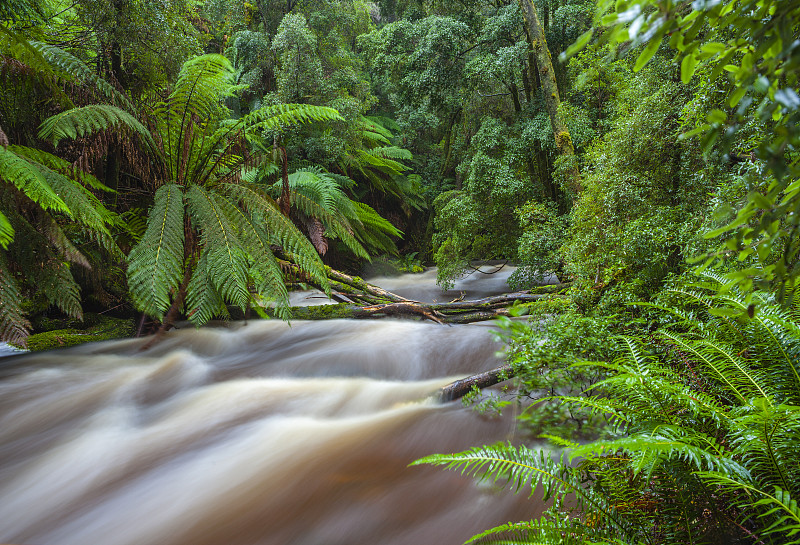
(209, 232)
(754, 43)
(37, 190)
(543, 233)
(542, 357)
(706, 412)
(643, 201)
(156, 263)
(301, 69)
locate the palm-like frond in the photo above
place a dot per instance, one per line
(225, 255)
(73, 67)
(59, 286)
(282, 116)
(264, 271)
(264, 211)
(392, 152)
(521, 467)
(87, 120)
(203, 301)
(26, 177)
(155, 264)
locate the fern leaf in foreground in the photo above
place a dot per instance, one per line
(521, 467)
(227, 259)
(6, 231)
(155, 265)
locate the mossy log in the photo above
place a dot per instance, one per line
(461, 387)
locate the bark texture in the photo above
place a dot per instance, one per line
(547, 79)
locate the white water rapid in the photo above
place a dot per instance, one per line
(261, 433)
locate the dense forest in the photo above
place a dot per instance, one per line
(165, 160)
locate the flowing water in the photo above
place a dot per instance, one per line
(261, 433)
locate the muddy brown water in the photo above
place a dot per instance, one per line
(257, 433)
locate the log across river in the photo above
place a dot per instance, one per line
(261, 433)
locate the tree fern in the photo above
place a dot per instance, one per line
(155, 264)
(87, 120)
(226, 258)
(203, 301)
(26, 177)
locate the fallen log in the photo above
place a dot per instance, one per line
(362, 286)
(460, 388)
(359, 299)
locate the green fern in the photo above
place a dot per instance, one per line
(521, 467)
(30, 180)
(79, 122)
(14, 326)
(155, 264)
(226, 257)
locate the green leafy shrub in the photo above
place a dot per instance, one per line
(706, 412)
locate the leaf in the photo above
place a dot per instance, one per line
(688, 66)
(155, 264)
(578, 44)
(645, 56)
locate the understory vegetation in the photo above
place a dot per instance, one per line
(196, 159)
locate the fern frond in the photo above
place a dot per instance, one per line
(729, 370)
(155, 264)
(227, 259)
(61, 166)
(53, 232)
(392, 152)
(85, 208)
(279, 228)
(14, 327)
(521, 467)
(6, 231)
(649, 450)
(73, 67)
(382, 164)
(281, 116)
(26, 177)
(263, 267)
(88, 120)
(374, 138)
(380, 125)
(59, 286)
(552, 529)
(201, 83)
(203, 301)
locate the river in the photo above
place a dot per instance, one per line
(257, 433)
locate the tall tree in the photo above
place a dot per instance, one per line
(547, 79)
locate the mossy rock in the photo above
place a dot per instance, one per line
(104, 328)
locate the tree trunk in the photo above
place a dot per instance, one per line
(547, 78)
